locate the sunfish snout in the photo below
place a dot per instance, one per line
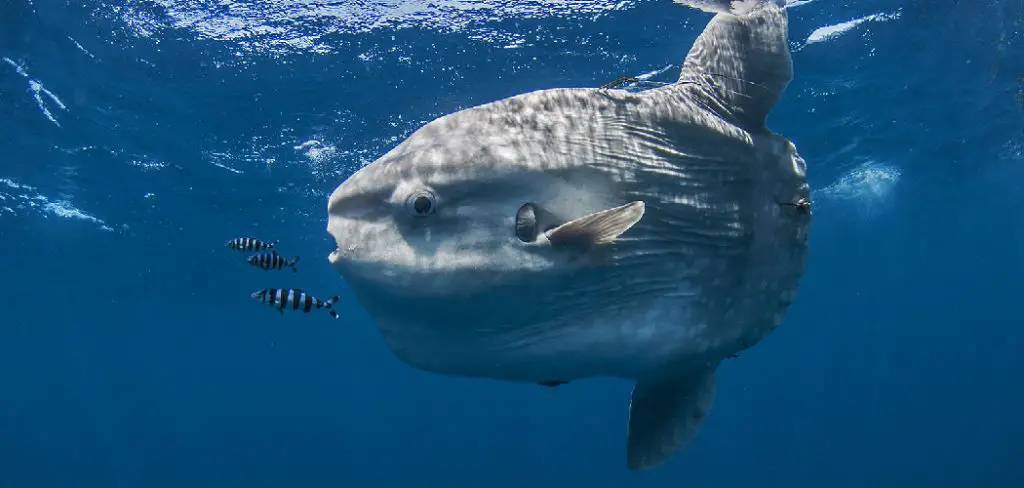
(351, 209)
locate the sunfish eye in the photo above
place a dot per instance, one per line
(526, 223)
(421, 204)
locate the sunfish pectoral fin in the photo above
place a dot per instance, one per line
(742, 61)
(664, 415)
(597, 228)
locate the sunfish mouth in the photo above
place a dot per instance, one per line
(339, 253)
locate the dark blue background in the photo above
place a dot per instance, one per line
(134, 357)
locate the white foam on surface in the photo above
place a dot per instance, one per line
(14, 185)
(319, 154)
(38, 90)
(64, 208)
(146, 163)
(866, 189)
(81, 48)
(651, 74)
(797, 3)
(303, 25)
(219, 159)
(17, 198)
(833, 31)
(317, 151)
(1012, 157)
(1013, 150)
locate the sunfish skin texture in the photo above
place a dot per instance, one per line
(697, 255)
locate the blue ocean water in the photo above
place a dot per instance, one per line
(136, 136)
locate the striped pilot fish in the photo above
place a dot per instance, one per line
(272, 260)
(249, 244)
(294, 299)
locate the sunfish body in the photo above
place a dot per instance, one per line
(573, 233)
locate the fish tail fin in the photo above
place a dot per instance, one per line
(273, 244)
(334, 314)
(335, 299)
(292, 264)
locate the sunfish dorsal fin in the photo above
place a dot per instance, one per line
(742, 61)
(665, 415)
(597, 228)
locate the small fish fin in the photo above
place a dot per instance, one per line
(334, 314)
(664, 415)
(741, 61)
(597, 228)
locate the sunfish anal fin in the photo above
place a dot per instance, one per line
(597, 228)
(665, 415)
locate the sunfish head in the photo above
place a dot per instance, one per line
(466, 214)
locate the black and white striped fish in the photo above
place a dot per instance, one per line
(294, 299)
(272, 260)
(249, 244)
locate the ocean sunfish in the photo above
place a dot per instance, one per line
(575, 233)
